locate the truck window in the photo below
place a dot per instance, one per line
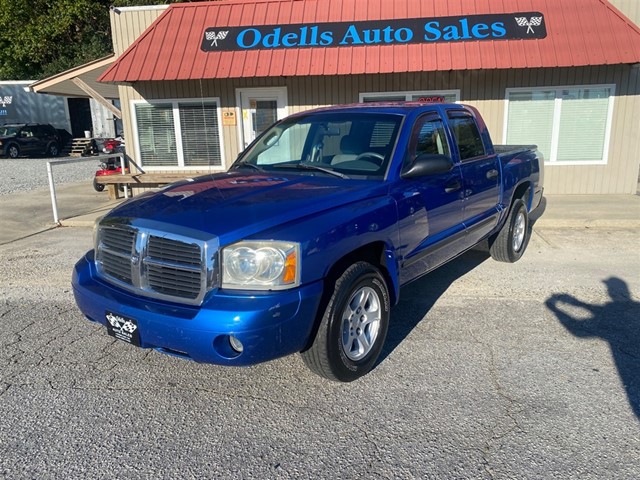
(467, 136)
(286, 147)
(432, 139)
(350, 143)
(428, 136)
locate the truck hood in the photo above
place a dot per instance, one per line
(237, 205)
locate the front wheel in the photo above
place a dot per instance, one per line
(98, 187)
(13, 151)
(354, 326)
(511, 241)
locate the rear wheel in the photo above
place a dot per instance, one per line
(52, 150)
(13, 151)
(354, 326)
(511, 241)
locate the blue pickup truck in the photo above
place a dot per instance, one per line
(303, 245)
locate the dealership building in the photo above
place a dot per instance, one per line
(198, 81)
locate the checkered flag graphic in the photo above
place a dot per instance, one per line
(529, 23)
(6, 101)
(129, 326)
(213, 37)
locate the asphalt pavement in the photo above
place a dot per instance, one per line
(490, 370)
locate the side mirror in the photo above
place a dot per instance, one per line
(428, 164)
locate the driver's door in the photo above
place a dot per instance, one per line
(430, 207)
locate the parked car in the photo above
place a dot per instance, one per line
(303, 244)
(29, 139)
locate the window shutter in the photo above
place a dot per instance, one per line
(156, 134)
(200, 134)
(531, 119)
(583, 124)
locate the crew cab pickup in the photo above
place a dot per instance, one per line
(304, 243)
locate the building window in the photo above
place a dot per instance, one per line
(448, 96)
(180, 133)
(570, 125)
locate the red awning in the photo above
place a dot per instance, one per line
(579, 33)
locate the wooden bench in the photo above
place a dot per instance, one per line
(148, 180)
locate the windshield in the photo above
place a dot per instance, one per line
(351, 144)
(8, 130)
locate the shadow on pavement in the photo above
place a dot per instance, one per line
(418, 297)
(617, 322)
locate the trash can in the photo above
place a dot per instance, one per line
(87, 134)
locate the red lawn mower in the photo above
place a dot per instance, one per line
(112, 165)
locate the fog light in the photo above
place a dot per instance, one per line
(235, 344)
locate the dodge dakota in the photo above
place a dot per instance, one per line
(304, 243)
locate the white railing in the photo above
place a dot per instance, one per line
(62, 161)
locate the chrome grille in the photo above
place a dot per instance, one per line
(174, 281)
(159, 265)
(117, 266)
(118, 240)
(115, 253)
(169, 250)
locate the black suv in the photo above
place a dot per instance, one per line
(29, 138)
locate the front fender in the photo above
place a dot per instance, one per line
(331, 235)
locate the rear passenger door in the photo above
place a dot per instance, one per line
(480, 176)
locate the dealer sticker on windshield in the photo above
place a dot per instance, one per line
(123, 328)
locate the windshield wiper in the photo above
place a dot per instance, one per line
(250, 165)
(308, 166)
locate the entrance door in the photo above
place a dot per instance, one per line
(80, 116)
(260, 107)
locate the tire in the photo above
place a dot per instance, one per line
(13, 151)
(509, 244)
(98, 187)
(353, 327)
(53, 150)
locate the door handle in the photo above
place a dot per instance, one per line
(452, 186)
(491, 174)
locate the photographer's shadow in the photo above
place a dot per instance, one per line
(617, 322)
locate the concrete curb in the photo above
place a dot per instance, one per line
(602, 224)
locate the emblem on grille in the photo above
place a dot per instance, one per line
(135, 260)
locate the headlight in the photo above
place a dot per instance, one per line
(261, 265)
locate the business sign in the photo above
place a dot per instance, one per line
(466, 28)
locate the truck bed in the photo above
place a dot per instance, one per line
(502, 149)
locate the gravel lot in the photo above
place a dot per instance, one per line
(26, 174)
(490, 371)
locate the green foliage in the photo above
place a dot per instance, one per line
(40, 38)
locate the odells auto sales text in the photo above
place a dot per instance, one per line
(432, 31)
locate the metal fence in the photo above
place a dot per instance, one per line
(63, 161)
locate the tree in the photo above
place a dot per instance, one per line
(40, 38)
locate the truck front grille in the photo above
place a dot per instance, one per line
(158, 265)
(117, 246)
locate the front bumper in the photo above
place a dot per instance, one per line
(269, 324)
